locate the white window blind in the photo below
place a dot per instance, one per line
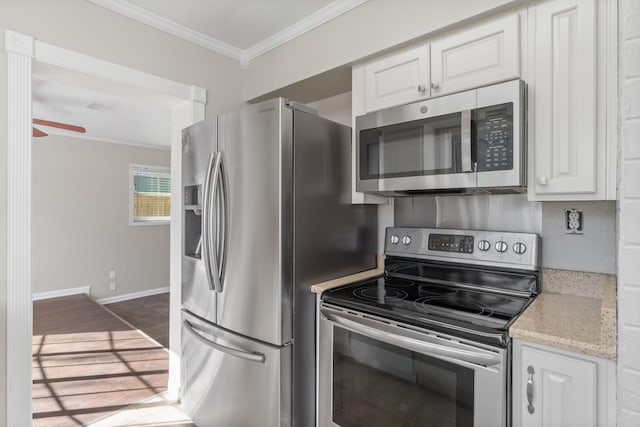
(150, 194)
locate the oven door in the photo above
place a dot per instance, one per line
(377, 374)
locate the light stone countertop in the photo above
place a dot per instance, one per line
(576, 311)
(319, 288)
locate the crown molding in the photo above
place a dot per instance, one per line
(327, 13)
(161, 23)
(309, 23)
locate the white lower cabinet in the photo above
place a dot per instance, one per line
(557, 388)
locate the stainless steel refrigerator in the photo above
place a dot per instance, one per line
(267, 213)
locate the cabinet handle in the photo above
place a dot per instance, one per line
(530, 407)
(422, 88)
(435, 85)
(543, 181)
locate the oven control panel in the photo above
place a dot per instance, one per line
(491, 248)
(450, 243)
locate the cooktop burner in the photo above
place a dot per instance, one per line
(452, 303)
(435, 290)
(379, 295)
(413, 299)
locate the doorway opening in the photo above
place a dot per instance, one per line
(25, 58)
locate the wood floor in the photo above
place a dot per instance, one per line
(87, 363)
(149, 314)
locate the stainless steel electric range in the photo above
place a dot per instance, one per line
(427, 343)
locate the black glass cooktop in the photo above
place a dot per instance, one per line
(416, 300)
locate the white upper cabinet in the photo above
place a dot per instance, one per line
(571, 107)
(479, 56)
(398, 78)
(564, 50)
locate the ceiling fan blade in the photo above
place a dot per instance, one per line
(59, 125)
(37, 133)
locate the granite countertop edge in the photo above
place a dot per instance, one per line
(541, 323)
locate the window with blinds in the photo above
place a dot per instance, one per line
(150, 189)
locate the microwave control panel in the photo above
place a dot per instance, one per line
(494, 136)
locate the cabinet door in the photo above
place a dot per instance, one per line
(476, 57)
(564, 390)
(397, 79)
(564, 98)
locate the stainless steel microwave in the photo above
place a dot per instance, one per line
(467, 142)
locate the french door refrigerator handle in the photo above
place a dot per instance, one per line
(465, 136)
(224, 213)
(393, 335)
(210, 185)
(252, 356)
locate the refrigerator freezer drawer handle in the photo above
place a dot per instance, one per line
(210, 265)
(252, 356)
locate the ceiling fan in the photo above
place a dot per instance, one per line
(37, 133)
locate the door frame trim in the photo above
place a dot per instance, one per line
(22, 50)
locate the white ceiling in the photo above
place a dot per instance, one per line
(241, 29)
(113, 112)
(109, 111)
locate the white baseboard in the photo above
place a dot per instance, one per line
(62, 293)
(125, 297)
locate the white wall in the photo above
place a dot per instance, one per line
(629, 219)
(80, 219)
(363, 31)
(81, 26)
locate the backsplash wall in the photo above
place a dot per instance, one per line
(593, 251)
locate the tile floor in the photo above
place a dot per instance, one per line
(160, 410)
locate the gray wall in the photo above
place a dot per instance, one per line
(80, 219)
(592, 251)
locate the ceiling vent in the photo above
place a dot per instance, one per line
(96, 106)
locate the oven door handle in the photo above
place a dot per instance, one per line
(393, 335)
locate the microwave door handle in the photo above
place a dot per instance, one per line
(465, 155)
(208, 245)
(393, 335)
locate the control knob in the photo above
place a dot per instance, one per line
(484, 245)
(501, 246)
(394, 239)
(406, 240)
(519, 248)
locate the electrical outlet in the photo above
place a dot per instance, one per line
(112, 274)
(574, 221)
(112, 286)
